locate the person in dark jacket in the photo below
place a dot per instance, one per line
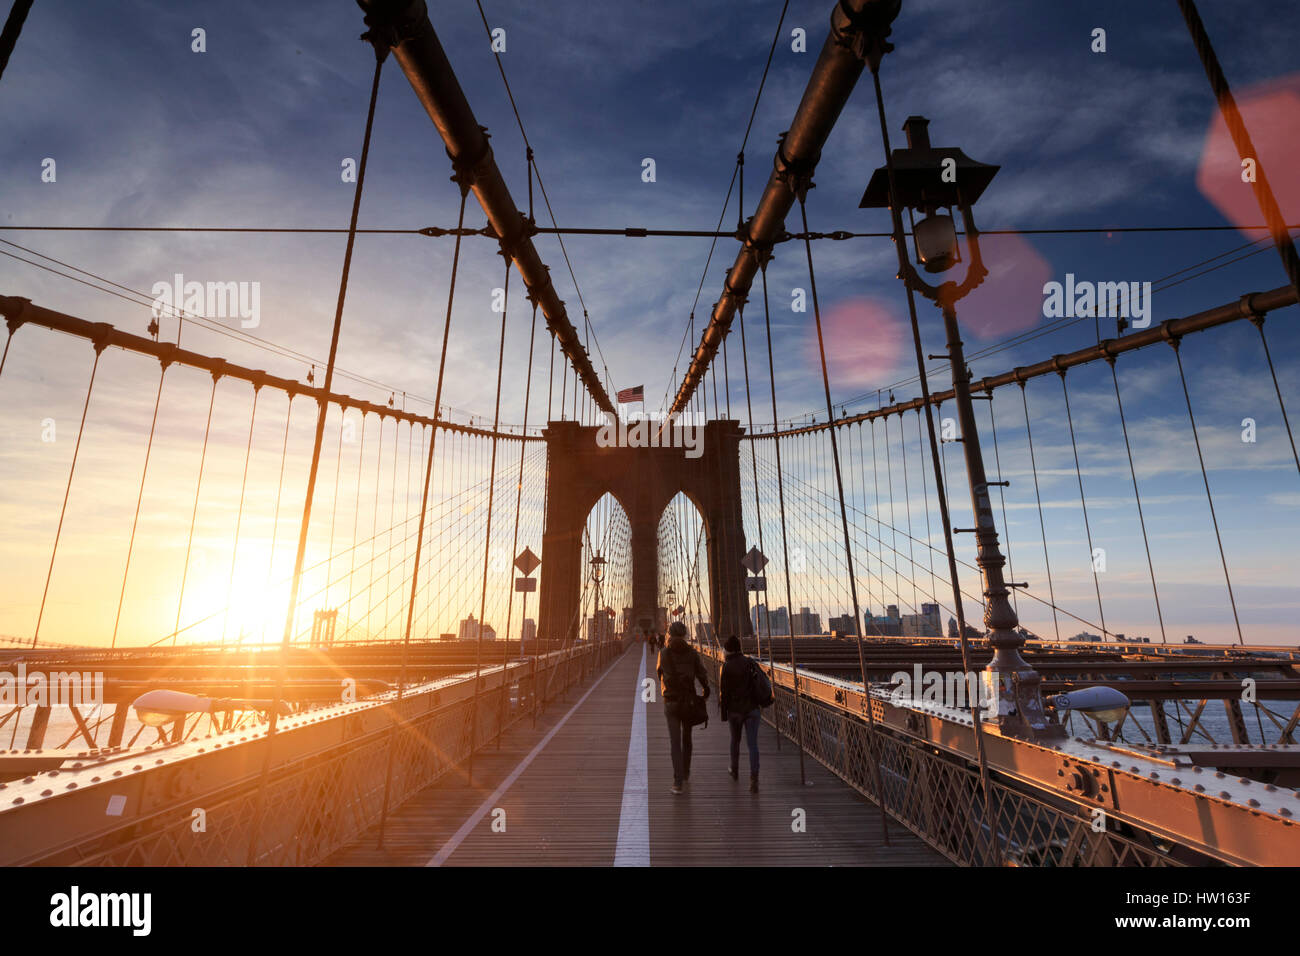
(679, 667)
(736, 703)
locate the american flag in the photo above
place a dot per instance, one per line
(636, 394)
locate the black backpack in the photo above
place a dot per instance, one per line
(760, 688)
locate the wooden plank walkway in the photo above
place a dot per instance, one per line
(555, 795)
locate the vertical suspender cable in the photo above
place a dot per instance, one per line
(463, 183)
(1033, 464)
(72, 470)
(726, 375)
(279, 490)
(519, 497)
(290, 612)
(785, 548)
(519, 484)
(758, 518)
(239, 518)
(392, 520)
(1208, 496)
(880, 537)
(356, 510)
(1258, 321)
(1128, 449)
(929, 534)
(198, 487)
(135, 521)
(8, 341)
(907, 501)
(374, 527)
(844, 522)
(487, 534)
(564, 382)
(1083, 502)
(334, 508)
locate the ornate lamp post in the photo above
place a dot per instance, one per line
(597, 577)
(930, 182)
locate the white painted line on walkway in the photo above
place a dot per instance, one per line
(494, 800)
(634, 820)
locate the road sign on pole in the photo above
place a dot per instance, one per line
(755, 561)
(525, 584)
(527, 562)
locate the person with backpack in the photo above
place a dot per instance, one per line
(679, 667)
(743, 690)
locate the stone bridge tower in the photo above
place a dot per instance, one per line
(643, 481)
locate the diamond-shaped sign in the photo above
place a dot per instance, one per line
(527, 562)
(754, 560)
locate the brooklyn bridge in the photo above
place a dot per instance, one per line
(1042, 615)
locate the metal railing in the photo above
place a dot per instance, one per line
(196, 803)
(935, 791)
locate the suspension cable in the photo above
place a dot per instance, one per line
(67, 491)
(1083, 502)
(487, 534)
(785, 549)
(198, 487)
(1208, 496)
(758, 513)
(940, 486)
(1033, 464)
(1137, 495)
(291, 610)
(1258, 322)
(9, 338)
(135, 521)
(239, 518)
(519, 485)
(844, 521)
(1245, 148)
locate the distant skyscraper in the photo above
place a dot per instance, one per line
(469, 630)
(845, 624)
(919, 625)
(888, 626)
(530, 629)
(806, 622)
(780, 622)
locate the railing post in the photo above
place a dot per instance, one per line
(534, 688)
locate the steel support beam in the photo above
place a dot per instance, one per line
(1253, 305)
(403, 26)
(18, 311)
(856, 25)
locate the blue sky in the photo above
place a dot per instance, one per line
(252, 132)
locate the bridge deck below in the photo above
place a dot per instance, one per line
(591, 786)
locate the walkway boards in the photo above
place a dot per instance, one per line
(584, 789)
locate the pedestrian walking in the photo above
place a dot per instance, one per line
(679, 667)
(743, 690)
